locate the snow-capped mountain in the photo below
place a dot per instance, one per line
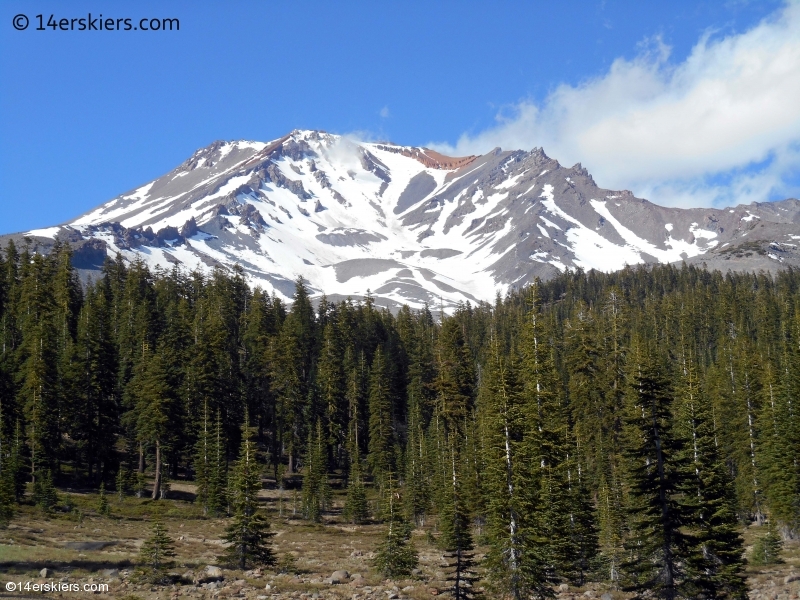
(407, 223)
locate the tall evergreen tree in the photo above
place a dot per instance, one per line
(396, 555)
(355, 506)
(210, 466)
(316, 491)
(714, 561)
(516, 560)
(154, 412)
(38, 359)
(656, 543)
(248, 534)
(157, 551)
(456, 537)
(381, 434)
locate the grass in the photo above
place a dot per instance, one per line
(35, 540)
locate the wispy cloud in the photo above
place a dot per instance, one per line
(384, 112)
(721, 127)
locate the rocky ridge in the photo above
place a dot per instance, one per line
(409, 224)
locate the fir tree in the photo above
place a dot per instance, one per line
(38, 358)
(714, 563)
(610, 524)
(122, 482)
(6, 490)
(316, 491)
(380, 457)
(416, 494)
(355, 505)
(156, 552)
(210, 466)
(767, 548)
(516, 560)
(154, 411)
(456, 538)
(45, 495)
(582, 543)
(102, 502)
(203, 460)
(217, 483)
(248, 534)
(656, 544)
(7, 495)
(396, 556)
(332, 385)
(779, 425)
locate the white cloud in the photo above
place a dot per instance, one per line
(384, 113)
(730, 112)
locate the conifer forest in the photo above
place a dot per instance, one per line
(620, 427)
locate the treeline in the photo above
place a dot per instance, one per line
(597, 426)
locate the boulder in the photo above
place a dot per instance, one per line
(110, 572)
(606, 596)
(212, 571)
(210, 574)
(45, 572)
(791, 577)
(340, 576)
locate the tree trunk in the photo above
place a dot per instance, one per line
(157, 480)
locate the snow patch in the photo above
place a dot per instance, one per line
(48, 232)
(509, 183)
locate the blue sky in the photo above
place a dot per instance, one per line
(86, 115)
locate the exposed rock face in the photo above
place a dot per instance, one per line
(409, 224)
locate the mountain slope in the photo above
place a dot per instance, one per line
(409, 224)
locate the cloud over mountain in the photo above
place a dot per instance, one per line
(721, 127)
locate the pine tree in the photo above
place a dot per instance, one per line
(767, 549)
(516, 562)
(38, 359)
(248, 534)
(396, 555)
(217, 485)
(456, 538)
(582, 543)
(45, 495)
(417, 333)
(155, 410)
(656, 544)
(88, 376)
(6, 489)
(210, 466)
(122, 482)
(203, 460)
(332, 385)
(417, 488)
(714, 563)
(355, 505)
(779, 427)
(316, 491)
(156, 552)
(381, 435)
(102, 502)
(7, 495)
(610, 523)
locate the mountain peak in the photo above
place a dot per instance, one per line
(408, 223)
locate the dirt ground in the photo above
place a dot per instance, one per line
(81, 547)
